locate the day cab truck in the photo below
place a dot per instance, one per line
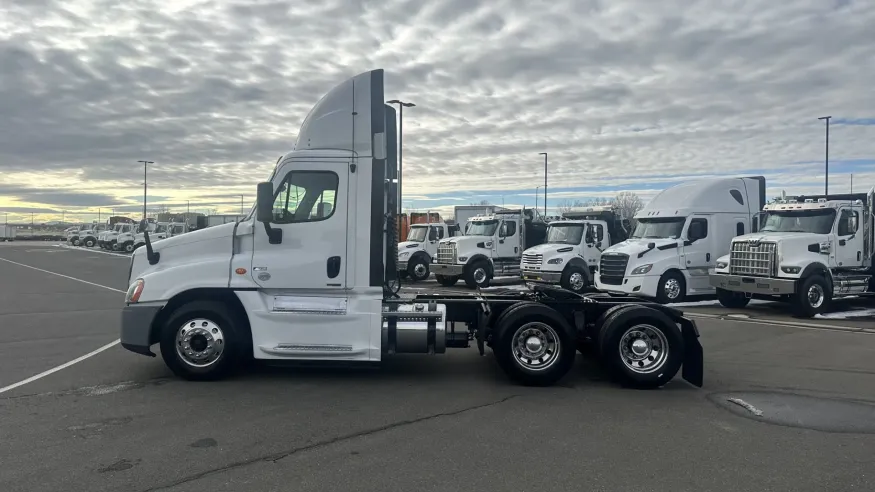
(286, 283)
(574, 244)
(491, 246)
(416, 254)
(88, 237)
(678, 237)
(808, 251)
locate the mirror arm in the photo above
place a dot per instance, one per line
(274, 236)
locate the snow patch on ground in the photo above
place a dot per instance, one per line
(857, 313)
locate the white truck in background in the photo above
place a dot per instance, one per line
(491, 246)
(679, 235)
(415, 255)
(88, 237)
(463, 213)
(808, 251)
(288, 284)
(7, 232)
(570, 255)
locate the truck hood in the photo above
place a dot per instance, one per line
(547, 249)
(464, 244)
(634, 247)
(409, 246)
(180, 249)
(779, 237)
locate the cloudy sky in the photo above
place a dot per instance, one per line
(623, 95)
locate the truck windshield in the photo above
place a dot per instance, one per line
(565, 233)
(659, 228)
(417, 234)
(814, 221)
(481, 228)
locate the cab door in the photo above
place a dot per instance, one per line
(849, 241)
(508, 240)
(698, 255)
(311, 209)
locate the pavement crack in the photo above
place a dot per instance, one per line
(275, 457)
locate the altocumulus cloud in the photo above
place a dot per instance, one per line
(618, 92)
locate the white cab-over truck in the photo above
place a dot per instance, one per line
(286, 283)
(574, 244)
(415, 254)
(679, 235)
(808, 251)
(491, 246)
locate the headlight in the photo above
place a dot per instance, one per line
(642, 269)
(721, 265)
(134, 291)
(791, 269)
(403, 255)
(554, 261)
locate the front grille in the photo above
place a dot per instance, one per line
(446, 253)
(757, 259)
(532, 262)
(613, 268)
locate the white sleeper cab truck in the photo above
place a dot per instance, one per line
(415, 254)
(574, 244)
(491, 246)
(678, 237)
(288, 282)
(808, 251)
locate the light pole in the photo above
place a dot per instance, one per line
(545, 181)
(241, 204)
(536, 196)
(145, 164)
(826, 159)
(401, 106)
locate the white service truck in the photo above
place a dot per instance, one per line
(678, 237)
(287, 283)
(117, 238)
(88, 237)
(570, 255)
(808, 251)
(415, 254)
(491, 246)
(73, 235)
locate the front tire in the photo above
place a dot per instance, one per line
(671, 288)
(76, 242)
(204, 340)
(813, 297)
(574, 279)
(732, 300)
(533, 344)
(129, 247)
(418, 269)
(89, 243)
(641, 347)
(477, 274)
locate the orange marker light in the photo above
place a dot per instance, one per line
(240, 271)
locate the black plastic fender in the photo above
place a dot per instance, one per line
(580, 262)
(817, 268)
(693, 369)
(481, 256)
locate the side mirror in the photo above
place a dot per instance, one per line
(144, 225)
(264, 203)
(589, 239)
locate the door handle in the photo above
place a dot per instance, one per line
(333, 266)
(707, 256)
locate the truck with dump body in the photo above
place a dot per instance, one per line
(286, 283)
(808, 251)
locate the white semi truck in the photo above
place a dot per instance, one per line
(491, 246)
(415, 254)
(289, 284)
(570, 255)
(808, 251)
(678, 237)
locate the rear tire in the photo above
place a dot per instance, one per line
(533, 344)
(732, 300)
(446, 281)
(813, 297)
(641, 347)
(477, 274)
(204, 340)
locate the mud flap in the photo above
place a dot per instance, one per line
(693, 365)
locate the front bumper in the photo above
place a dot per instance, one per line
(447, 270)
(753, 285)
(402, 266)
(137, 334)
(637, 285)
(541, 276)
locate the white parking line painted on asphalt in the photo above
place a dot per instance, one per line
(58, 368)
(90, 250)
(776, 322)
(74, 361)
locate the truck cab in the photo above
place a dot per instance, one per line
(678, 237)
(570, 255)
(809, 250)
(88, 237)
(416, 254)
(119, 236)
(491, 246)
(73, 236)
(157, 231)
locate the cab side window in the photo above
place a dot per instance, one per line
(698, 229)
(508, 228)
(848, 222)
(436, 234)
(305, 196)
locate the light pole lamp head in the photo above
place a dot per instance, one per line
(825, 118)
(405, 104)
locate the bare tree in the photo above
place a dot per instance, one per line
(626, 204)
(482, 202)
(565, 205)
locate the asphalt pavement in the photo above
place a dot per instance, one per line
(121, 421)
